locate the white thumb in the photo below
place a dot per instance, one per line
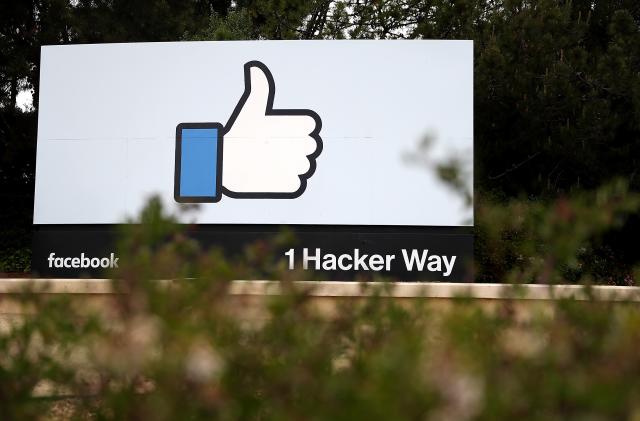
(259, 87)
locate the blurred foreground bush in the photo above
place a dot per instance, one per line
(588, 237)
(185, 350)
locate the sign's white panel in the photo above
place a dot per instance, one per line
(308, 132)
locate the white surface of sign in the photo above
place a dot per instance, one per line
(108, 115)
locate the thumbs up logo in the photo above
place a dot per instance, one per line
(260, 153)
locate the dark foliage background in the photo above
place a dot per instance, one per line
(557, 102)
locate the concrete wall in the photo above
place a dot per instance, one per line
(248, 298)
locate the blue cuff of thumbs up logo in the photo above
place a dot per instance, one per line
(198, 176)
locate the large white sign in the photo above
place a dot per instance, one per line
(259, 132)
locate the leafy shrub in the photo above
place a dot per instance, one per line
(586, 238)
(189, 349)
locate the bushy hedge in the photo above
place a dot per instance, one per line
(189, 350)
